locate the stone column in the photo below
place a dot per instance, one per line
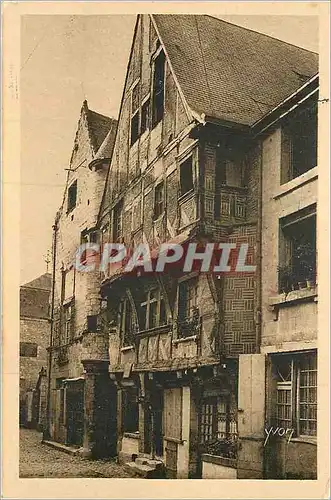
(100, 410)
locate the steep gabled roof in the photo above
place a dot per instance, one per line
(99, 126)
(231, 73)
(107, 146)
(34, 297)
(43, 282)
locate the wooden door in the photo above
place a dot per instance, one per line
(75, 413)
(172, 428)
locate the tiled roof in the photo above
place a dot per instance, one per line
(43, 282)
(107, 146)
(232, 73)
(34, 297)
(99, 126)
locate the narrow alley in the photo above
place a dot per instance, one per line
(39, 460)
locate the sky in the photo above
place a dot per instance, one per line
(64, 60)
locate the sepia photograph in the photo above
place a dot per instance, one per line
(169, 246)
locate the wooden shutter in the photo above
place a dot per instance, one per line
(173, 414)
(251, 395)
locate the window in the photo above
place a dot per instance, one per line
(117, 221)
(134, 128)
(296, 402)
(28, 349)
(186, 176)
(299, 144)
(72, 196)
(188, 320)
(159, 200)
(67, 323)
(233, 173)
(152, 310)
(127, 324)
(83, 237)
(297, 250)
(158, 89)
(187, 298)
(88, 237)
(218, 427)
(130, 409)
(56, 333)
(92, 323)
(135, 114)
(104, 238)
(145, 116)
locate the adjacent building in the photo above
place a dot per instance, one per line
(76, 336)
(188, 370)
(34, 340)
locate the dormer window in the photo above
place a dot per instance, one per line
(72, 196)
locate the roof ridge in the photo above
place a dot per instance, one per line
(259, 32)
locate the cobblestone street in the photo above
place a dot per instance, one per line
(40, 460)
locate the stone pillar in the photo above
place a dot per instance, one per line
(100, 410)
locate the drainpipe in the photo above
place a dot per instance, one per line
(259, 256)
(46, 432)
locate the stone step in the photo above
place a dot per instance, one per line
(70, 450)
(144, 471)
(156, 464)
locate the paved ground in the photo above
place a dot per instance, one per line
(40, 460)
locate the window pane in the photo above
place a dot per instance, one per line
(308, 395)
(186, 176)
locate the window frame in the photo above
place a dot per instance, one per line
(292, 141)
(289, 248)
(157, 108)
(72, 204)
(183, 161)
(159, 203)
(185, 283)
(294, 385)
(145, 114)
(221, 439)
(118, 222)
(127, 325)
(146, 307)
(28, 349)
(135, 113)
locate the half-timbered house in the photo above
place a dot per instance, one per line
(187, 168)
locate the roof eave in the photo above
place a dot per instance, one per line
(275, 114)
